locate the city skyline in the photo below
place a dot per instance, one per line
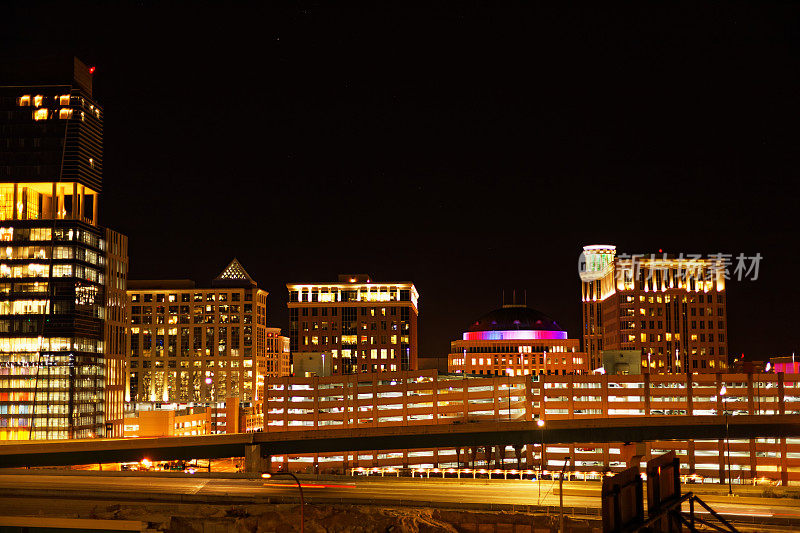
(297, 267)
(480, 183)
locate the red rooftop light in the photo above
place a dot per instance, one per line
(91, 70)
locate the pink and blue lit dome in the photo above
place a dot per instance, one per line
(515, 322)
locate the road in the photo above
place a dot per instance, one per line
(369, 491)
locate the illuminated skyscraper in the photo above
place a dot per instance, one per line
(670, 309)
(189, 345)
(62, 276)
(367, 326)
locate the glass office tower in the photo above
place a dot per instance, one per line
(55, 310)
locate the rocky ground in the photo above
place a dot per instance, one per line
(280, 518)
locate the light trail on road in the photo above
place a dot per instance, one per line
(368, 491)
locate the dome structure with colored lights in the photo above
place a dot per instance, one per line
(515, 322)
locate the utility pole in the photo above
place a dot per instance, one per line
(561, 496)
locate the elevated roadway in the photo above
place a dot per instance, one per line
(625, 430)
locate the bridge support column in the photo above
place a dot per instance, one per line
(518, 453)
(254, 462)
(633, 453)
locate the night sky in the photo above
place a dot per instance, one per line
(465, 149)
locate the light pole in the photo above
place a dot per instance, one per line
(267, 475)
(210, 381)
(722, 393)
(766, 370)
(561, 496)
(540, 423)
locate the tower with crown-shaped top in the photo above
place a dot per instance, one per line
(189, 345)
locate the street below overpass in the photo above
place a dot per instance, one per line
(579, 497)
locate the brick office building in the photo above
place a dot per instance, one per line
(671, 310)
(366, 326)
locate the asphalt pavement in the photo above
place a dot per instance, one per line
(360, 490)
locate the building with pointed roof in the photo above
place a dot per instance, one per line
(234, 275)
(190, 345)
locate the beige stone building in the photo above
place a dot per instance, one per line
(189, 345)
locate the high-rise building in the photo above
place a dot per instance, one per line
(516, 340)
(61, 274)
(367, 326)
(190, 345)
(670, 309)
(116, 331)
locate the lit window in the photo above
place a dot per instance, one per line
(65, 114)
(63, 99)
(40, 114)
(24, 101)
(37, 100)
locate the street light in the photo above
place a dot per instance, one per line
(210, 381)
(540, 423)
(722, 393)
(267, 475)
(767, 368)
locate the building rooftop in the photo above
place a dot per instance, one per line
(515, 317)
(56, 70)
(234, 276)
(155, 284)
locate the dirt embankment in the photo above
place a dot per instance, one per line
(336, 519)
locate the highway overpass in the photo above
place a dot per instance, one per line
(252, 445)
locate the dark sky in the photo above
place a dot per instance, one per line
(465, 149)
